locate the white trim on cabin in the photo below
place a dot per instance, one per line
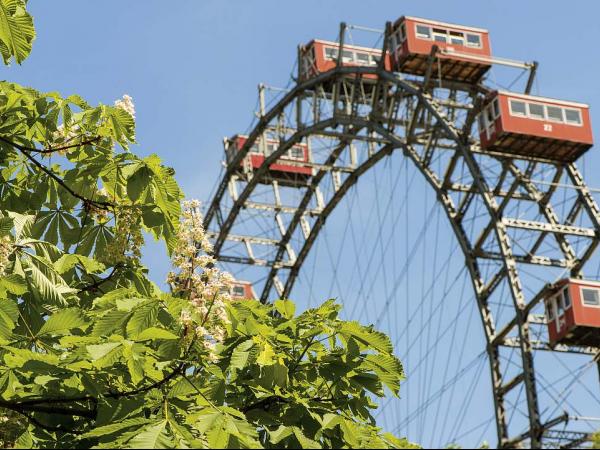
(588, 305)
(535, 98)
(347, 46)
(445, 24)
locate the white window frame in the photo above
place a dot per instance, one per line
(546, 117)
(512, 112)
(551, 119)
(461, 37)
(580, 124)
(481, 121)
(560, 310)
(585, 305)
(468, 44)
(290, 156)
(531, 116)
(348, 59)
(551, 310)
(496, 108)
(566, 293)
(484, 123)
(238, 286)
(335, 52)
(357, 61)
(422, 36)
(275, 147)
(439, 33)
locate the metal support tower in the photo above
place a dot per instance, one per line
(357, 121)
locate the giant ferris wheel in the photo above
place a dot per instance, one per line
(412, 122)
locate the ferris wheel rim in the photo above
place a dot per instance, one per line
(355, 123)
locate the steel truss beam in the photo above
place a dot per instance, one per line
(363, 111)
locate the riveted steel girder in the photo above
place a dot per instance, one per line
(346, 106)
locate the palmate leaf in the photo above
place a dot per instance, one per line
(99, 351)
(22, 223)
(286, 308)
(154, 333)
(9, 314)
(368, 336)
(153, 436)
(63, 322)
(14, 284)
(16, 30)
(115, 427)
(143, 317)
(122, 125)
(6, 224)
(242, 354)
(47, 281)
(67, 262)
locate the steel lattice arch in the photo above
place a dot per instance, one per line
(367, 113)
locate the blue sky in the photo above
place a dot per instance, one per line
(192, 67)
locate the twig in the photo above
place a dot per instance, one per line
(27, 152)
(96, 284)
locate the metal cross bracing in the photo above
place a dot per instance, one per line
(538, 214)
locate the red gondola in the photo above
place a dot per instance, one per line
(242, 290)
(464, 52)
(573, 313)
(290, 169)
(536, 127)
(321, 56)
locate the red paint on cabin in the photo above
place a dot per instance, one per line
(464, 53)
(242, 290)
(532, 126)
(287, 169)
(321, 56)
(573, 313)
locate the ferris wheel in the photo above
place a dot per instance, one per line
(381, 141)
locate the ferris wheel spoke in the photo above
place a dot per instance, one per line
(519, 223)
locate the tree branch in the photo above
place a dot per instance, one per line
(27, 152)
(96, 284)
(24, 408)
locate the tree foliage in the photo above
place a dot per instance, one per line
(93, 354)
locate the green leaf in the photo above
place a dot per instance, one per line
(134, 365)
(101, 350)
(266, 356)
(286, 308)
(241, 354)
(279, 434)
(139, 183)
(114, 427)
(303, 440)
(16, 30)
(49, 283)
(63, 322)
(154, 333)
(368, 336)
(6, 225)
(151, 437)
(144, 316)
(25, 440)
(67, 262)
(13, 283)
(9, 314)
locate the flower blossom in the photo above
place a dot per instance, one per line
(196, 278)
(127, 240)
(6, 249)
(126, 103)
